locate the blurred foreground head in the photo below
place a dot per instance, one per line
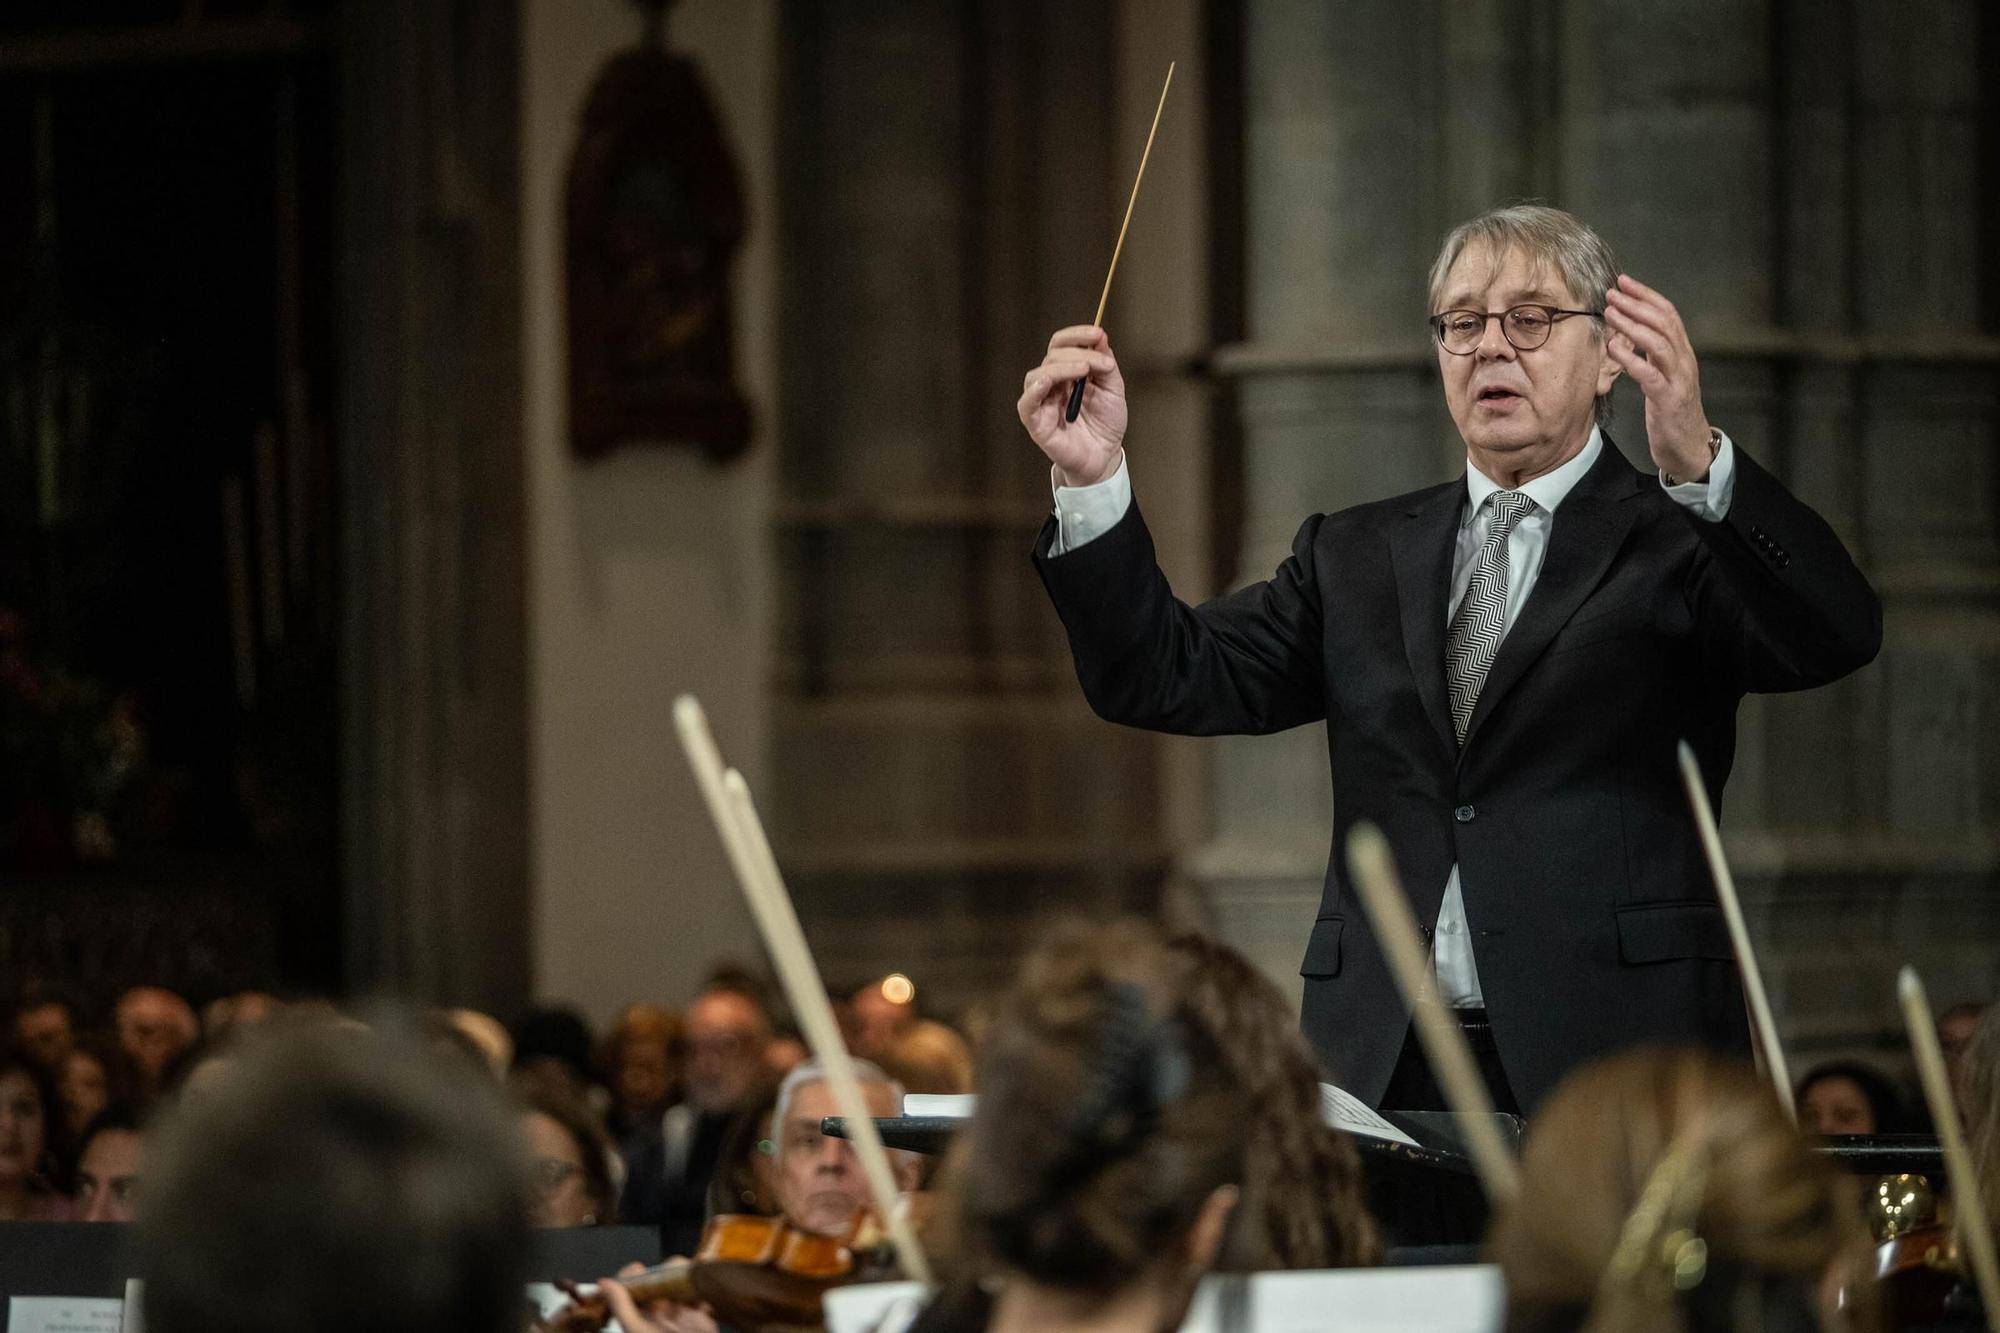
(331, 1180)
(1146, 1112)
(1667, 1190)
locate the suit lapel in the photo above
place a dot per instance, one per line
(1588, 529)
(1421, 542)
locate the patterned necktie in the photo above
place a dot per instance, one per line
(1474, 635)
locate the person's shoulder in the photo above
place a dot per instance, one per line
(1373, 514)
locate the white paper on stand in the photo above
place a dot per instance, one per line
(1343, 1110)
(956, 1106)
(64, 1314)
(1467, 1298)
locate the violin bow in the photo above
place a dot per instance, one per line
(1975, 1229)
(1104, 297)
(735, 814)
(1374, 871)
(1739, 933)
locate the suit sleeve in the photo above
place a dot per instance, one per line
(1246, 663)
(1780, 602)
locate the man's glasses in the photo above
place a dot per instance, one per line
(1525, 326)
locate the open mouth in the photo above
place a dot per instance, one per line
(1493, 393)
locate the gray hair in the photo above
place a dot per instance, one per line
(812, 1071)
(1550, 238)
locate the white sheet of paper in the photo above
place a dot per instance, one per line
(958, 1106)
(64, 1314)
(1345, 1111)
(1462, 1299)
(873, 1307)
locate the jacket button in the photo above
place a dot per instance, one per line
(1463, 814)
(1783, 560)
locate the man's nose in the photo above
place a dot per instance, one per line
(1493, 344)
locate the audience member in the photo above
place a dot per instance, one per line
(45, 1026)
(110, 1160)
(155, 1028)
(929, 1058)
(746, 1170)
(1980, 1092)
(879, 1019)
(28, 1147)
(489, 1034)
(1108, 1158)
(233, 1013)
(330, 1181)
(1667, 1192)
(93, 1075)
(641, 1064)
(1956, 1027)
(571, 1162)
(552, 1053)
(1848, 1097)
(669, 1172)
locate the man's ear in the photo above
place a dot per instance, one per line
(1608, 369)
(1204, 1238)
(908, 1168)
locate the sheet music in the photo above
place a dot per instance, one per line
(1343, 1110)
(956, 1106)
(64, 1314)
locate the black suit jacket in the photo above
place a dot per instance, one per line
(1594, 921)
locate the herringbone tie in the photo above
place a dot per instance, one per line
(1474, 635)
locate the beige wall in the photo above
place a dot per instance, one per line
(649, 571)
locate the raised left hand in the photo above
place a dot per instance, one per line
(1649, 341)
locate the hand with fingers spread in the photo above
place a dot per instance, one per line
(1087, 450)
(1649, 341)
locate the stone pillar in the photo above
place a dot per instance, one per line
(1334, 388)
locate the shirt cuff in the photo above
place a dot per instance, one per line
(1708, 499)
(1085, 513)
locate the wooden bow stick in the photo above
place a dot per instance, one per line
(1374, 871)
(1104, 297)
(735, 816)
(1975, 1229)
(1739, 933)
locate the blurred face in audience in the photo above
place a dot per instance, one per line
(645, 1075)
(562, 1184)
(820, 1185)
(1836, 1105)
(878, 1021)
(726, 1034)
(154, 1026)
(84, 1087)
(45, 1032)
(24, 1129)
(107, 1178)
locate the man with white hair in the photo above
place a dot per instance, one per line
(1504, 662)
(820, 1185)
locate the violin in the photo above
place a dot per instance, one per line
(755, 1273)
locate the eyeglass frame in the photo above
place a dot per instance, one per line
(1556, 314)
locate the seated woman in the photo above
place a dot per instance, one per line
(1848, 1097)
(30, 1128)
(1667, 1190)
(571, 1160)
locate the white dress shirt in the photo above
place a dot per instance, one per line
(1084, 513)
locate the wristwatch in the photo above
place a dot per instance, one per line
(1714, 448)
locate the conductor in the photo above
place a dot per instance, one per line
(1504, 663)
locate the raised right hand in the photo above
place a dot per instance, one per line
(1087, 450)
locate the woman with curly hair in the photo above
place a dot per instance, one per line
(1147, 1113)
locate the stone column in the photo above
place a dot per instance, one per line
(1334, 388)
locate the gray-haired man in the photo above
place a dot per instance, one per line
(1504, 662)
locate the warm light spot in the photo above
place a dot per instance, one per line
(898, 989)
